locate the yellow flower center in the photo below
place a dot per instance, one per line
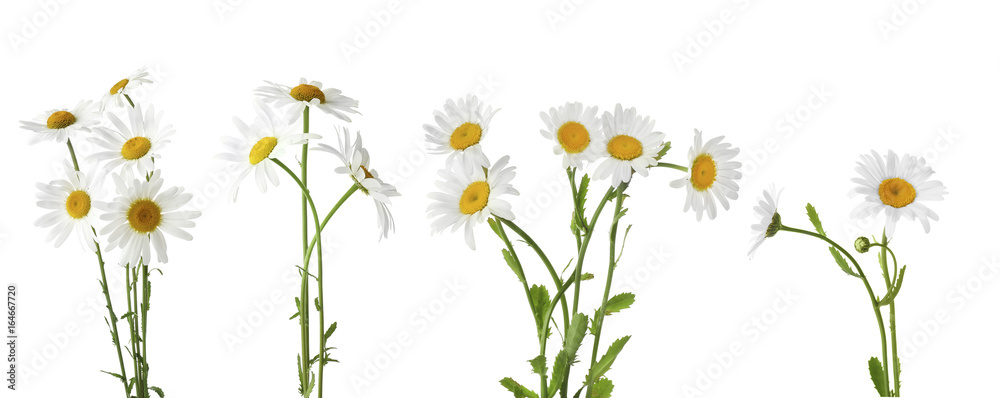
(306, 92)
(624, 147)
(118, 86)
(262, 149)
(466, 135)
(144, 215)
(368, 174)
(474, 198)
(78, 204)
(703, 172)
(135, 148)
(896, 192)
(60, 120)
(573, 137)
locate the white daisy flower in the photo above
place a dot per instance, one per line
(60, 125)
(134, 148)
(576, 132)
(71, 206)
(266, 138)
(470, 198)
(631, 145)
(141, 214)
(357, 165)
(712, 176)
(126, 86)
(309, 94)
(460, 128)
(770, 221)
(897, 187)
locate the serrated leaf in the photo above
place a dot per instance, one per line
(540, 300)
(514, 266)
(891, 295)
(622, 250)
(157, 390)
(319, 307)
(619, 302)
(329, 331)
(538, 365)
(602, 389)
(575, 334)
(120, 377)
(604, 365)
(814, 219)
(842, 263)
(663, 151)
(559, 372)
(516, 388)
(875, 369)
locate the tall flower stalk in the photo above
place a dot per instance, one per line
(625, 145)
(258, 150)
(891, 185)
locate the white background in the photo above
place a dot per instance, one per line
(920, 80)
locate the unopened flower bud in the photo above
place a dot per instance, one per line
(862, 244)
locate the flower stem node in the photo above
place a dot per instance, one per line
(862, 244)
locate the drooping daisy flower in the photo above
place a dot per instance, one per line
(309, 94)
(132, 148)
(631, 145)
(71, 205)
(460, 128)
(61, 124)
(576, 132)
(266, 138)
(898, 187)
(470, 198)
(357, 165)
(141, 214)
(116, 95)
(770, 221)
(712, 176)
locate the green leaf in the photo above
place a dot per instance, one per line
(891, 294)
(622, 250)
(582, 190)
(559, 372)
(842, 263)
(319, 307)
(619, 302)
(540, 300)
(329, 331)
(516, 388)
(538, 365)
(604, 365)
(514, 266)
(157, 390)
(567, 356)
(494, 227)
(663, 151)
(602, 389)
(814, 219)
(586, 276)
(875, 369)
(120, 377)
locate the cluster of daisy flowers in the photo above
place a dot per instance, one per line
(620, 145)
(136, 220)
(259, 150)
(895, 186)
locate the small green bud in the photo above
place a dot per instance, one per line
(587, 276)
(862, 244)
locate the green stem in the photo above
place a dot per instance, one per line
(129, 100)
(599, 317)
(304, 300)
(578, 272)
(319, 274)
(884, 262)
(541, 254)
(868, 287)
(577, 219)
(329, 215)
(145, 313)
(672, 166)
